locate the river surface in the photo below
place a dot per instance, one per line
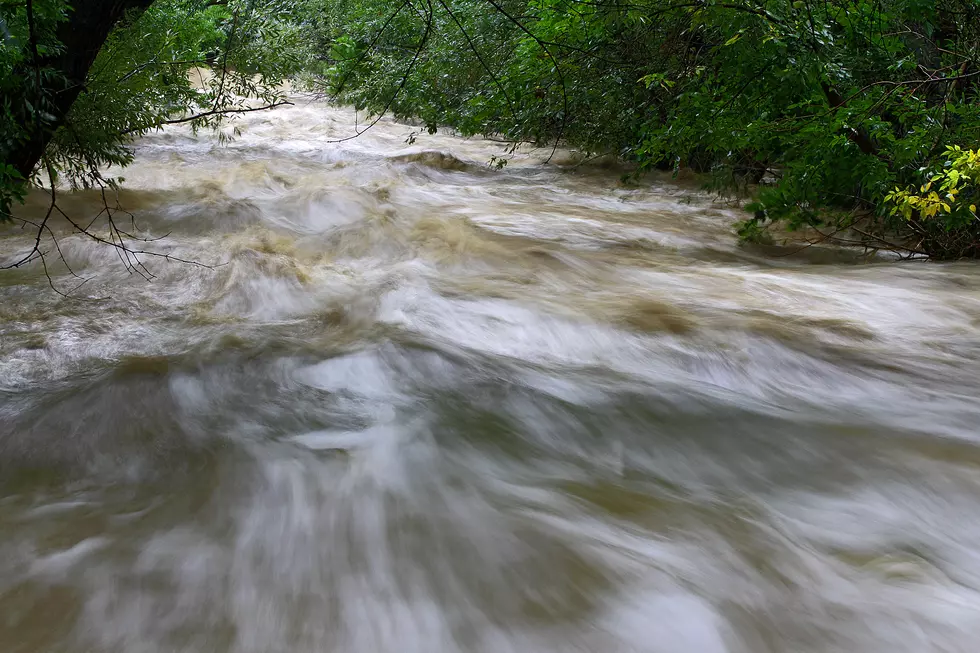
(421, 405)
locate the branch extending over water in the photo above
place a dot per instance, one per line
(205, 114)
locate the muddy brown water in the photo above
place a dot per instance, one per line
(421, 405)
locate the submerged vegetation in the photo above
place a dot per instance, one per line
(856, 121)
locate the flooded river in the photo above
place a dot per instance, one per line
(420, 405)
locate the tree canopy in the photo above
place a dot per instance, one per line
(842, 110)
(851, 120)
(79, 82)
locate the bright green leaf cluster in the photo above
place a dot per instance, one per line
(950, 194)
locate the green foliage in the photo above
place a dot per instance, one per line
(830, 112)
(149, 72)
(949, 194)
(24, 89)
(823, 107)
(943, 210)
(179, 60)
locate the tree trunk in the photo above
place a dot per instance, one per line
(82, 36)
(859, 137)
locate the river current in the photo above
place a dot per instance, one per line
(417, 404)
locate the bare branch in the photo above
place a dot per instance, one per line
(206, 114)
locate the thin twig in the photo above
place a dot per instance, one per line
(206, 114)
(401, 85)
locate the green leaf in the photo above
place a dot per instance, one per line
(733, 39)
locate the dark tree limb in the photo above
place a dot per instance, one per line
(82, 35)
